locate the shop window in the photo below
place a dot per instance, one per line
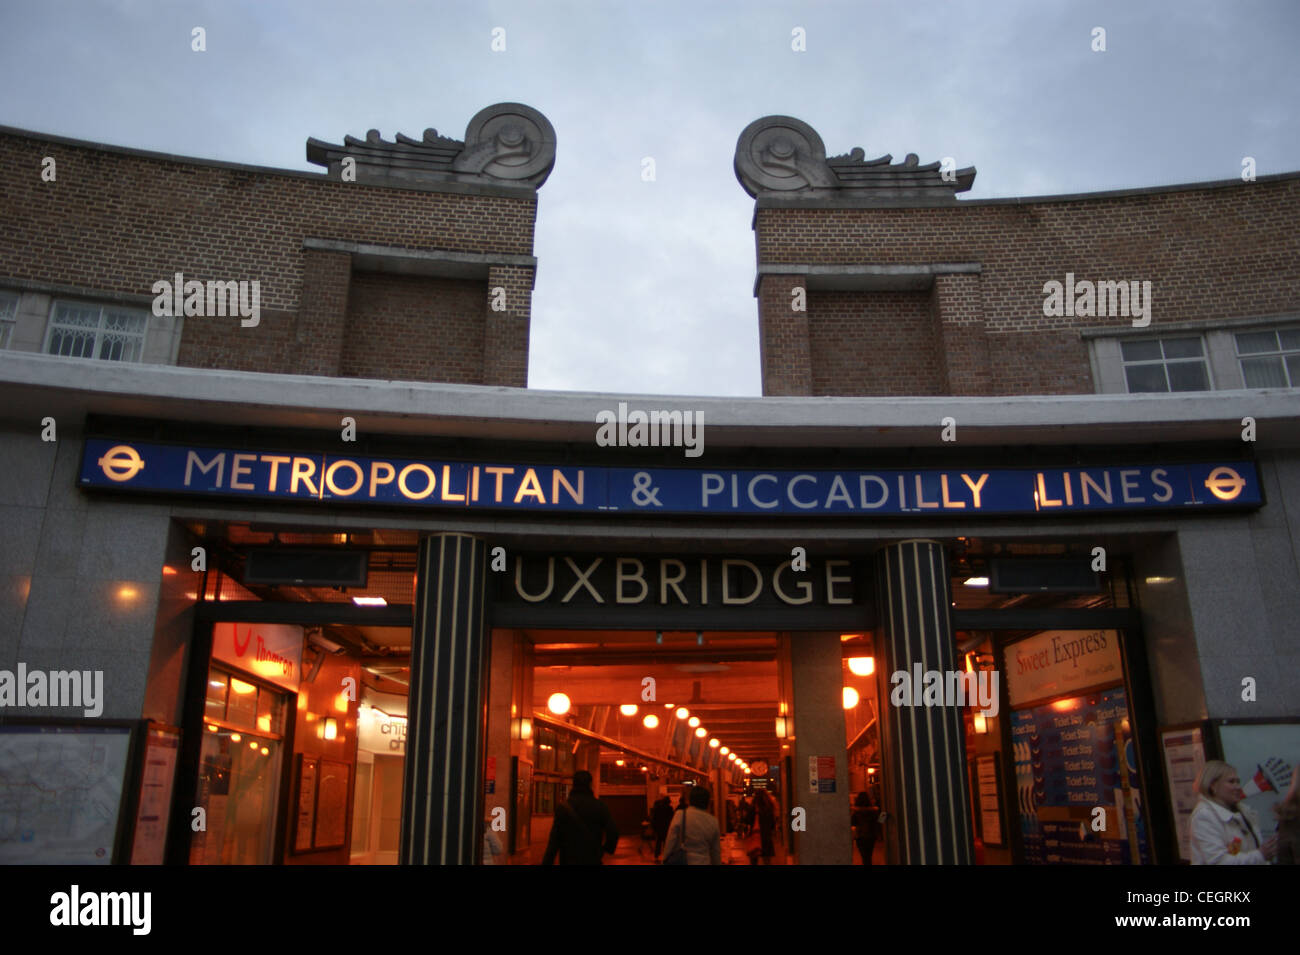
(1270, 359)
(239, 772)
(1165, 364)
(105, 332)
(8, 316)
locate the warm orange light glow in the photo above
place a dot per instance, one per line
(731, 756)
(683, 712)
(981, 724)
(264, 723)
(618, 762)
(211, 728)
(724, 751)
(862, 666)
(341, 702)
(850, 698)
(668, 706)
(747, 771)
(253, 745)
(169, 571)
(714, 743)
(628, 709)
(302, 700)
(1063, 705)
(871, 770)
(331, 728)
(235, 737)
(693, 721)
(265, 751)
(650, 721)
(558, 704)
(701, 732)
(1225, 483)
(781, 728)
(240, 687)
(127, 592)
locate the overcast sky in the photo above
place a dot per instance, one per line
(646, 287)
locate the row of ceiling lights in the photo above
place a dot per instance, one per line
(559, 704)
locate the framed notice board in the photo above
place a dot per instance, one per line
(305, 820)
(1183, 750)
(161, 752)
(332, 788)
(84, 771)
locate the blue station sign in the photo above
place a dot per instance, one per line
(446, 484)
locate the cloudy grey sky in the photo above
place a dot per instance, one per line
(646, 287)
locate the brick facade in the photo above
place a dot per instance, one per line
(1212, 252)
(413, 328)
(115, 221)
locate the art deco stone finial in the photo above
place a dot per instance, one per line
(507, 143)
(781, 155)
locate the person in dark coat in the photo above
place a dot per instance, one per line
(765, 812)
(661, 817)
(865, 813)
(583, 830)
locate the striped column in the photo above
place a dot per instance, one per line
(442, 811)
(924, 746)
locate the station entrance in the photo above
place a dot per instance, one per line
(301, 699)
(651, 714)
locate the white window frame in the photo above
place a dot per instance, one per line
(1165, 361)
(1218, 342)
(53, 327)
(1281, 353)
(8, 316)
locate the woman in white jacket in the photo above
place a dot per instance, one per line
(1224, 830)
(697, 831)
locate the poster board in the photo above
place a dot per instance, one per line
(332, 787)
(65, 789)
(1183, 749)
(162, 747)
(990, 801)
(1265, 754)
(305, 821)
(1072, 757)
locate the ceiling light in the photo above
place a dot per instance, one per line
(862, 666)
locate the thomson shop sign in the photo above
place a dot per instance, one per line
(486, 485)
